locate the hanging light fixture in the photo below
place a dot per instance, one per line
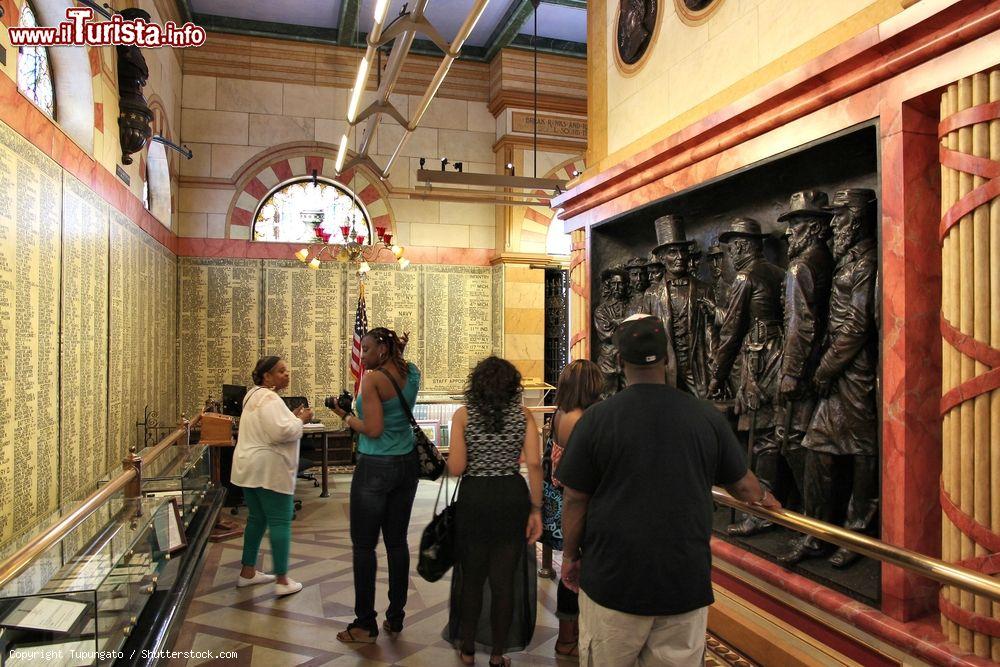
(348, 242)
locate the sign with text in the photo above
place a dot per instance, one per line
(553, 126)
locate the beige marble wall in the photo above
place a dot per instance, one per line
(228, 121)
(524, 319)
(692, 70)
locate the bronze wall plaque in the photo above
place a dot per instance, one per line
(553, 126)
(636, 25)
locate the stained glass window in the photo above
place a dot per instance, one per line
(305, 211)
(34, 76)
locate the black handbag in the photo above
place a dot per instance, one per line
(430, 461)
(437, 543)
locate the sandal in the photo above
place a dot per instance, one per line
(390, 628)
(570, 649)
(356, 634)
(466, 658)
(504, 661)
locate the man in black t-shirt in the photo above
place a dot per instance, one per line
(638, 472)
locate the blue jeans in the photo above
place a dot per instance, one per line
(382, 493)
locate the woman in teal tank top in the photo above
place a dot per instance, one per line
(384, 482)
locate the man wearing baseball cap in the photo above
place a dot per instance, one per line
(638, 474)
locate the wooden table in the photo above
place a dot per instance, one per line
(324, 435)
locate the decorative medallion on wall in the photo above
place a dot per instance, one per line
(635, 30)
(696, 12)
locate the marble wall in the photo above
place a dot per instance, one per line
(690, 71)
(230, 121)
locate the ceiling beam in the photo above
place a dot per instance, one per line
(184, 7)
(347, 27)
(507, 28)
(575, 4)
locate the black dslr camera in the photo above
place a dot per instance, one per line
(345, 402)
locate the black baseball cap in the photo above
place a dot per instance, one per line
(641, 340)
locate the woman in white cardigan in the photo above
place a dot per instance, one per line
(265, 464)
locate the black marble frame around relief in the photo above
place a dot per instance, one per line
(847, 159)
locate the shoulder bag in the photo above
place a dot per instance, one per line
(437, 543)
(431, 462)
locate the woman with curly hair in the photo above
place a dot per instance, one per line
(496, 512)
(384, 482)
(581, 385)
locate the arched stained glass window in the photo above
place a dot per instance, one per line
(34, 75)
(305, 211)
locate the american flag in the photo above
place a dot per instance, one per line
(360, 329)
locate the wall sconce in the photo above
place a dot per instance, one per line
(458, 167)
(444, 163)
(509, 167)
(423, 161)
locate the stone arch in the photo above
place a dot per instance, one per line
(71, 78)
(534, 226)
(261, 173)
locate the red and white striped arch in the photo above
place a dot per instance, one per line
(263, 173)
(537, 219)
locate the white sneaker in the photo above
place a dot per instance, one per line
(287, 589)
(257, 578)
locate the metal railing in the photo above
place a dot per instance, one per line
(925, 566)
(129, 480)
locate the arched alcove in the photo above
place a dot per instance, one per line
(72, 77)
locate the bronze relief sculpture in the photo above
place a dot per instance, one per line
(751, 330)
(793, 352)
(845, 423)
(636, 23)
(685, 306)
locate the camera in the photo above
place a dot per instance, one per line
(345, 402)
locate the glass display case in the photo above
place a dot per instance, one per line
(181, 472)
(80, 600)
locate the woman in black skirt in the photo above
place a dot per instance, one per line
(496, 512)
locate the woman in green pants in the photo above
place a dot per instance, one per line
(264, 464)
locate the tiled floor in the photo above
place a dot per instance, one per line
(301, 629)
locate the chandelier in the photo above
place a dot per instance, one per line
(349, 245)
(343, 237)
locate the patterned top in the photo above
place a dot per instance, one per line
(495, 454)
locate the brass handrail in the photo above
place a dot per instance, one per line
(13, 566)
(925, 566)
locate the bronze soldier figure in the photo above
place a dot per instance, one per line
(655, 270)
(751, 327)
(806, 300)
(638, 283)
(607, 316)
(685, 306)
(845, 422)
(716, 262)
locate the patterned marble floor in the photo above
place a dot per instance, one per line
(300, 630)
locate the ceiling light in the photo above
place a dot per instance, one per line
(381, 7)
(364, 268)
(397, 250)
(314, 263)
(341, 153)
(403, 262)
(302, 255)
(359, 86)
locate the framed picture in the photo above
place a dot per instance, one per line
(432, 427)
(170, 535)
